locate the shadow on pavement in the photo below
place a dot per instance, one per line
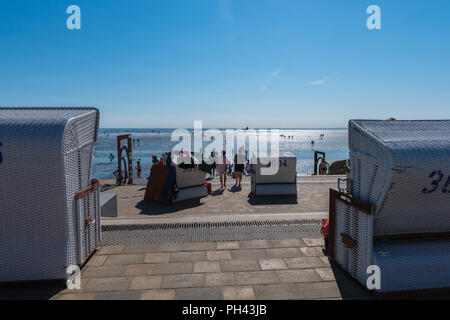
(267, 200)
(350, 289)
(154, 209)
(35, 290)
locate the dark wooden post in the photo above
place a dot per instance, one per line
(126, 161)
(130, 161)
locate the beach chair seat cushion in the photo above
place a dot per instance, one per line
(413, 265)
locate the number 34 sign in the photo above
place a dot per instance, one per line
(438, 177)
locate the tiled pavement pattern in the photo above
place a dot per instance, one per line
(257, 269)
(313, 194)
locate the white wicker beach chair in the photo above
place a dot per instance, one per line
(284, 182)
(397, 213)
(190, 181)
(49, 210)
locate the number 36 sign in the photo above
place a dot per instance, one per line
(438, 177)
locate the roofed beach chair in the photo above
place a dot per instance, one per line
(283, 182)
(395, 212)
(176, 178)
(49, 205)
(190, 180)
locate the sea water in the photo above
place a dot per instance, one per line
(148, 142)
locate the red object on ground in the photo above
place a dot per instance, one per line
(208, 187)
(325, 228)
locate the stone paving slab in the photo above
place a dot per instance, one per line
(238, 293)
(205, 293)
(278, 292)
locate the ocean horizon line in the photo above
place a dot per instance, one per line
(235, 128)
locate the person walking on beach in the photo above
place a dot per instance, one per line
(212, 162)
(247, 168)
(221, 165)
(230, 170)
(116, 174)
(239, 161)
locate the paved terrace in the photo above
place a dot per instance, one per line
(253, 269)
(258, 269)
(229, 203)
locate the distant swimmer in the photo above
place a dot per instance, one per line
(111, 157)
(312, 142)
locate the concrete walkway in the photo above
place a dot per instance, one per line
(313, 194)
(258, 269)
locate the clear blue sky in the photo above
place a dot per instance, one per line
(230, 63)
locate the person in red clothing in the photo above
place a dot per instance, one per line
(325, 231)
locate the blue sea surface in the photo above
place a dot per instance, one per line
(148, 142)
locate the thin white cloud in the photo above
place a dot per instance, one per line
(276, 72)
(264, 86)
(273, 74)
(321, 81)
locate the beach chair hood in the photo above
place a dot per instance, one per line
(402, 168)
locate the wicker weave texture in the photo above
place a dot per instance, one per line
(357, 226)
(89, 225)
(47, 157)
(403, 169)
